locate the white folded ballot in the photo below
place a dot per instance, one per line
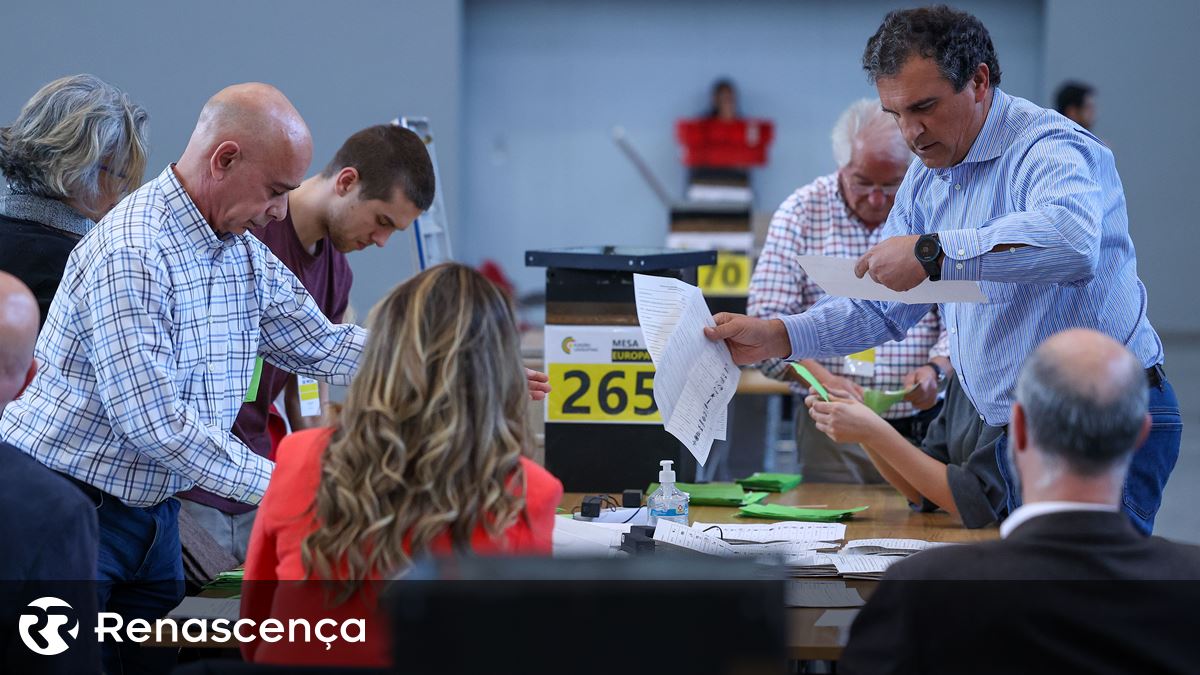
(825, 533)
(900, 547)
(836, 277)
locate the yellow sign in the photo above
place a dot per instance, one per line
(730, 276)
(601, 392)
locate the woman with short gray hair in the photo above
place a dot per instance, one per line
(76, 149)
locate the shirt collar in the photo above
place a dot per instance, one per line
(1027, 512)
(995, 135)
(194, 228)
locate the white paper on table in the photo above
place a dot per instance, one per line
(573, 538)
(784, 531)
(875, 546)
(694, 377)
(671, 532)
(830, 593)
(837, 618)
(836, 277)
(862, 564)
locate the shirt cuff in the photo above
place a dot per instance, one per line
(963, 255)
(802, 333)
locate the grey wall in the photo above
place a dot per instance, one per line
(344, 65)
(1138, 55)
(545, 82)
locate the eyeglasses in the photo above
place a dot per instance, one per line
(868, 188)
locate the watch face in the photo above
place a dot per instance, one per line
(927, 249)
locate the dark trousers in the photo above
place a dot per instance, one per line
(1152, 463)
(140, 575)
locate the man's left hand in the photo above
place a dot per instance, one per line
(925, 395)
(893, 263)
(539, 384)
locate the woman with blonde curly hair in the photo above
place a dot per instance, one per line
(76, 149)
(429, 457)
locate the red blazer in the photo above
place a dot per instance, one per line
(284, 519)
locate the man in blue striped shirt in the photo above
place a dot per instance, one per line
(1005, 193)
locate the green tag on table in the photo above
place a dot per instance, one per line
(782, 512)
(811, 380)
(754, 498)
(771, 482)
(880, 401)
(709, 494)
(252, 392)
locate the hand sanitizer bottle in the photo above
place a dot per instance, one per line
(668, 502)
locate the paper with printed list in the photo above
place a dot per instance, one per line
(694, 377)
(836, 277)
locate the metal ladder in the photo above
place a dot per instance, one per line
(431, 229)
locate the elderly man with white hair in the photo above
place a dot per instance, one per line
(841, 214)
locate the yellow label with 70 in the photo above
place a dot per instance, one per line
(730, 276)
(601, 392)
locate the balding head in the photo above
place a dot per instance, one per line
(1081, 406)
(872, 160)
(249, 149)
(18, 332)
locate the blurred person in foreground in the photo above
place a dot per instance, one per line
(429, 457)
(1071, 586)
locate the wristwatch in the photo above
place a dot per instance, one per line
(928, 250)
(941, 374)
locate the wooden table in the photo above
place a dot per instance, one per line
(888, 516)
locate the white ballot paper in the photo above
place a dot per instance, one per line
(835, 276)
(694, 377)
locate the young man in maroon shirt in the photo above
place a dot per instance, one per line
(378, 183)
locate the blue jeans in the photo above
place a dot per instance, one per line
(1148, 472)
(141, 576)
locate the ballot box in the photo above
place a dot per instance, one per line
(603, 429)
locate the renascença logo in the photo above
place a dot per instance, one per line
(43, 623)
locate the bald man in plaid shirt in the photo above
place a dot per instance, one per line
(841, 215)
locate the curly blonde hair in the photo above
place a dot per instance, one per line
(432, 431)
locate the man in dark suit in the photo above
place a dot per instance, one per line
(1071, 586)
(47, 526)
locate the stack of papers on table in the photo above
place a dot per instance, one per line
(900, 547)
(839, 565)
(715, 494)
(781, 512)
(772, 532)
(771, 482)
(862, 566)
(695, 539)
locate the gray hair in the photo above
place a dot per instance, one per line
(865, 115)
(68, 133)
(1089, 430)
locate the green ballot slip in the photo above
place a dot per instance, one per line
(709, 494)
(781, 512)
(771, 482)
(754, 498)
(252, 392)
(879, 400)
(811, 380)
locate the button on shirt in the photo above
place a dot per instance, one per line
(814, 220)
(149, 348)
(1031, 178)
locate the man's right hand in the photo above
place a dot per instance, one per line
(751, 340)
